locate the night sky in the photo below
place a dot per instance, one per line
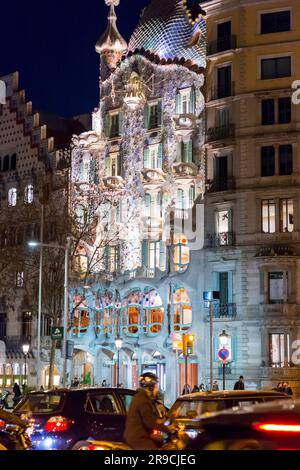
(52, 45)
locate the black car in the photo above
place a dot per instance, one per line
(268, 426)
(60, 418)
(188, 411)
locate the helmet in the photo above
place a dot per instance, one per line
(148, 381)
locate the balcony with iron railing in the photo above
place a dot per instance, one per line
(220, 132)
(222, 91)
(220, 240)
(220, 184)
(224, 310)
(221, 45)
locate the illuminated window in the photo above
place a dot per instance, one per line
(28, 196)
(153, 312)
(182, 309)
(185, 101)
(268, 216)
(80, 320)
(181, 253)
(279, 349)
(112, 260)
(12, 197)
(27, 325)
(287, 215)
(19, 279)
(132, 305)
(153, 157)
(278, 287)
(112, 165)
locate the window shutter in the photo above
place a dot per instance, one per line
(162, 256)
(230, 287)
(107, 166)
(230, 220)
(146, 116)
(178, 103)
(193, 101)
(92, 171)
(190, 151)
(216, 280)
(158, 207)
(145, 253)
(107, 124)
(159, 156)
(146, 157)
(121, 123)
(159, 114)
(233, 348)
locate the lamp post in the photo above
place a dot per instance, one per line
(66, 249)
(224, 340)
(118, 344)
(209, 298)
(25, 348)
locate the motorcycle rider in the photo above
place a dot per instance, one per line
(143, 417)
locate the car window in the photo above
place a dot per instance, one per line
(127, 399)
(245, 403)
(42, 403)
(102, 403)
(194, 409)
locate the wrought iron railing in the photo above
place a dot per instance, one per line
(221, 45)
(221, 132)
(220, 184)
(223, 91)
(221, 310)
(218, 240)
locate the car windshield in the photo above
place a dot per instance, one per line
(42, 402)
(188, 409)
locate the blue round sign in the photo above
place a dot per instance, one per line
(223, 354)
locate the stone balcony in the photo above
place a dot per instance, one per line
(185, 171)
(185, 125)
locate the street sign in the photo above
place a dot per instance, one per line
(223, 355)
(57, 333)
(177, 342)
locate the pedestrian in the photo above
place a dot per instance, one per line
(239, 385)
(201, 388)
(287, 389)
(279, 387)
(75, 382)
(186, 389)
(143, 418)
(104, 384)
(41, 388)
(215, 386)
(17, 393)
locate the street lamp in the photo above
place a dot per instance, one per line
(118, 344)
(25, 348)
(66, 248)
(224, 341)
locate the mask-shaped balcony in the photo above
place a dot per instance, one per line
(153, 177)
(113, 183)
(185, 171)
(185, 125)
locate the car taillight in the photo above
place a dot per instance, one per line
(277, 427)
(58, 424)
(2, 423)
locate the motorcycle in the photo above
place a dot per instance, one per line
(13, 435)
(175, 440)
(3, 400)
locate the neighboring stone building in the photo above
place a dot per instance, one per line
(252, 201)
(29, 153)
(144, 155)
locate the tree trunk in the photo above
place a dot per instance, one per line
(51, 364)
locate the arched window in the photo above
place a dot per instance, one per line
(153, 312)
(28, 195)
(12, 197)
(182, 309)
(181, 253)
(6, 163)
(80, 320)
(110, 313)
(16, 369)
(131, 306)
(13, 161)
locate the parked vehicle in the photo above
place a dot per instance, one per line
(60, 418)
(4, 400)
(13, 434)
(188, 411)
(269, 426)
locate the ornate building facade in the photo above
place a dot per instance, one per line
(144, 156)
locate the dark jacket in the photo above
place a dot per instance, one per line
(142, 419)
(239, 385)
(17, 390)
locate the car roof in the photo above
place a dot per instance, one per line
(233, 415)
(234, 394)
(83, 389)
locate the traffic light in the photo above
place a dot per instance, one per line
(188, 343)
